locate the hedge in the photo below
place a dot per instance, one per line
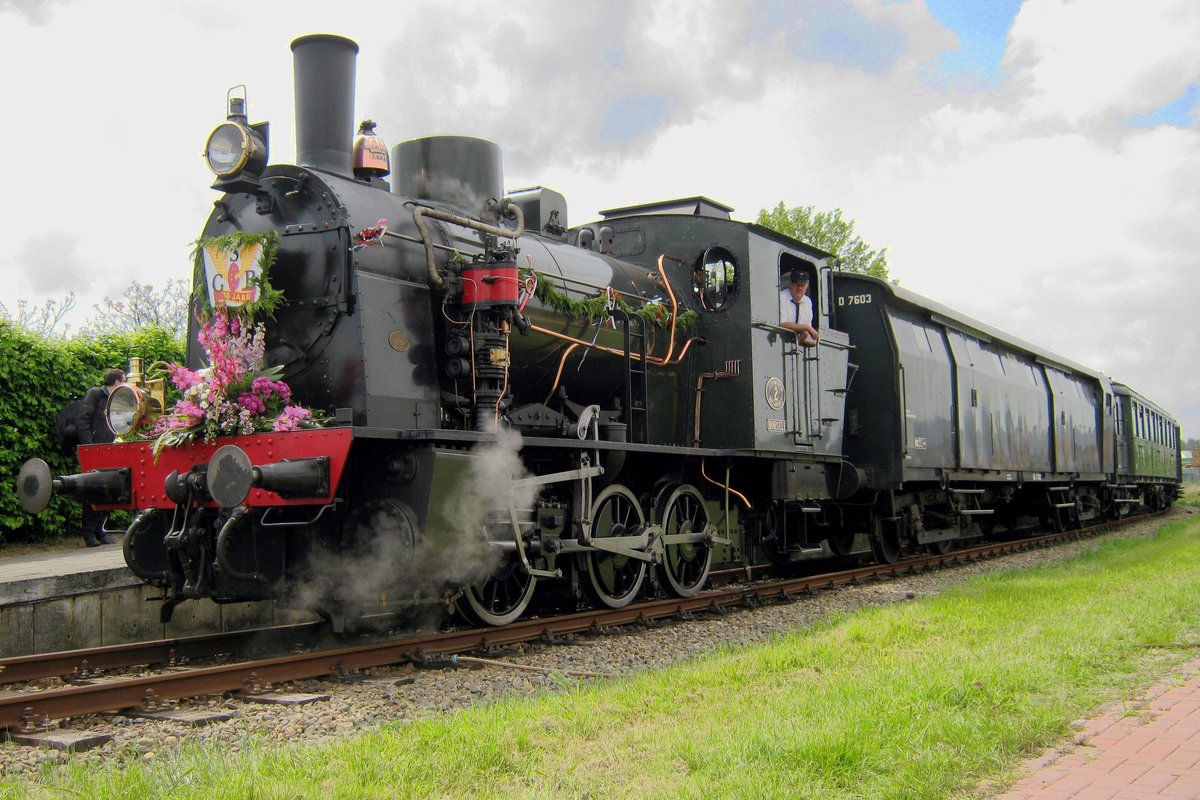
(37, 378)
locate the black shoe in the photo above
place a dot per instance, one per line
(91, 540)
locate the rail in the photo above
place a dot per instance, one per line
(25, 711)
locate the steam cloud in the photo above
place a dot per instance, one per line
(392, 559)
(483, 499)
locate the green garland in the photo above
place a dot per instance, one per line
(269, 298)
(597, 306)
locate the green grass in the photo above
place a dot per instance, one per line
(1191, 494)
(919, 700)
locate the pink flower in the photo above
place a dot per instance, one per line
(183, 378)
(267, 387)
(235, 350)
(252, 403)
(185, 415)
(291, 418)
(190, 411)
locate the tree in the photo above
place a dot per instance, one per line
(829, 231)
(142, 306)
(40, 320)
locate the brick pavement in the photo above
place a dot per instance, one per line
(1152, 752)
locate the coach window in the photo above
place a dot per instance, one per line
(715, 279)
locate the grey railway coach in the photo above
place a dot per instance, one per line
(957, 424)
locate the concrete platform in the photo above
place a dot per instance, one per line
(62, 573)
(87, 597)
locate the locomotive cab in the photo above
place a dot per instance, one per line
(753, 388)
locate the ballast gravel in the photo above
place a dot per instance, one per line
(404, 693)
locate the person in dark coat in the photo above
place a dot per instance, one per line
(92, 426)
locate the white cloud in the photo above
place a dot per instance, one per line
(35, 12)
(50, 264)
(1030, 204)
(1104, 59)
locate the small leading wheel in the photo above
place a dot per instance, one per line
(685, 564)
(615, 579)
(501, 597)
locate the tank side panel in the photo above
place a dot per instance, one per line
(398, 364)
(583, 357)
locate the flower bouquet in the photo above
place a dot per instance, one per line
(236, 393)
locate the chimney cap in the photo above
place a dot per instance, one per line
(323, 37)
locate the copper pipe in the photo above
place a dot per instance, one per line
(729, 489)
(674, 317)
(562, 362)
(732, 370)
(686, 347)
(674, 305)
(581, 342)
(658, 362)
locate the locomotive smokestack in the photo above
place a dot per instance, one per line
(324, 76)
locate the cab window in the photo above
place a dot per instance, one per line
(715, 279)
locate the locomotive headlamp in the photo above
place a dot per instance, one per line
(236, 151)
(234, 148)
(125, 409)
(135, 402)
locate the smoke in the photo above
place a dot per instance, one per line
(371, 570)
(387, 559)
(479, 510)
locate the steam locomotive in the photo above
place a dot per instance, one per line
(520, 412)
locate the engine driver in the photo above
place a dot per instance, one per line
(796, 309)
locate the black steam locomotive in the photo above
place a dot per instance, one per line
(518, 410)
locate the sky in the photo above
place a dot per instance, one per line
(1033, 164)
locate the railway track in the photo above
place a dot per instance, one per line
(25, 711)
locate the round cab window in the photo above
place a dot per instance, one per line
(714, 280)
